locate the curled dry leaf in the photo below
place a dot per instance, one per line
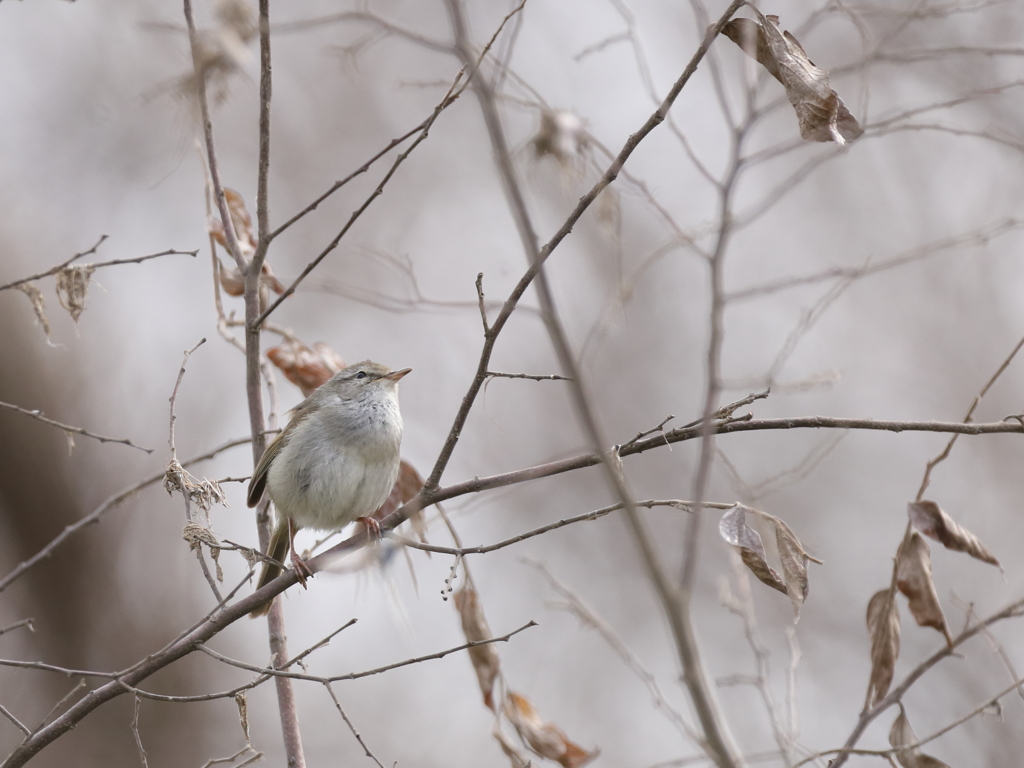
(305, 367)
(546, 739)
(38, 304)
(793, 558)
(901, 736)
(884, 627)
(794, 564)
(240, 220)
(819, 110)
(72, 288)
(914, 579)
(233, 284)
(929, 518)
(734, 529)
(485, 659)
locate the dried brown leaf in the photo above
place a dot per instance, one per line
(240, 220)
(821, 113)
(929, 518)
(734, 529)
(794, 564)
(407, 485)
(901, 736)
(73, 287)
(546, 739)
(884, 628)
(484, 658)
(914, 579)
(38, 304)
(304, 367)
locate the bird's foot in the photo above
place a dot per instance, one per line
(372, 526)
(302, 570)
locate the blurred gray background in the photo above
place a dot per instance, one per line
(98, 138)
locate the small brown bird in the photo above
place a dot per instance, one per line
(336, 461)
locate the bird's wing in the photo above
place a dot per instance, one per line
(258, 482)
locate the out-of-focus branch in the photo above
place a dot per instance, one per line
(584, 203)
(97, 265)
(77, 430)
(716, 738)
(896, 694)
(106, 506)
(596, 514)
(459, 84)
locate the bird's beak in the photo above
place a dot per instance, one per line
(396, 375)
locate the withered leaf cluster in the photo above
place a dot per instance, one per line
(230, 278)
(793, 558)
(913, 578)
(819, 110)
(538, 736)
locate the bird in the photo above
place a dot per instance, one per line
(335, 462)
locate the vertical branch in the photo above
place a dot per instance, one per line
(717, 741)
(278, 639)
(712, 385)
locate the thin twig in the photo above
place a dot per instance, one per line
(461, 551)
(174, 396)
(78, 686)
(76, 430)
(58, 268)
(367, 673)
(576, 605)
(135, 731)
(17, 723)
(530, 376)
(15, 625)
(351, 726)
(967, 418)
(98, 265)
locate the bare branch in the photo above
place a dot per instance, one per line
(37, 415)
(530, 376)
(58, 268)
(17, 723)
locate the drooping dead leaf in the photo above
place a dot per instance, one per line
(38, 304)
(929, 518)
(794, 562)
(485, 659)
(884, 628)
(407, 485)
(73, 287)
(901, 736)
(734, 529)
(231, 280)
(233, 284)
(914, 579)
(819, 110)
(304, 367)
(240, 220)
(546, 739)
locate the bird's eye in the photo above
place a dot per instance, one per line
(361, 375)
